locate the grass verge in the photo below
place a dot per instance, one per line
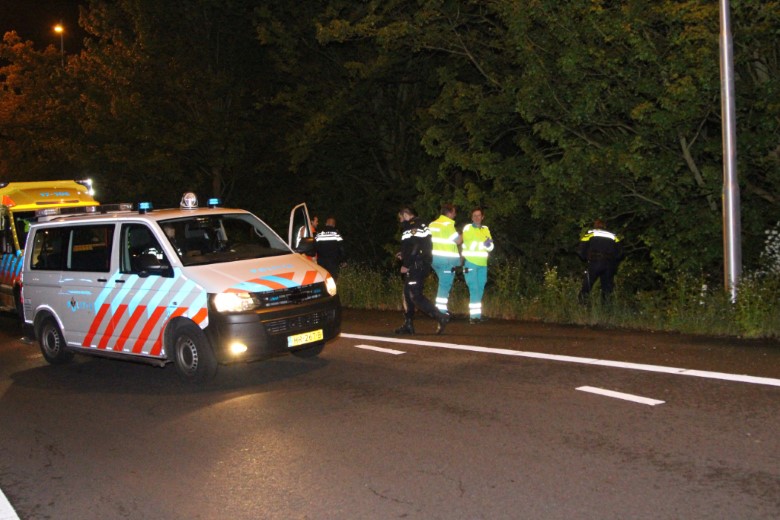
(686, 305)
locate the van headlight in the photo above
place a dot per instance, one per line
(330, 285)
(233, 302)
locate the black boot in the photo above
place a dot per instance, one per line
(406, 328)
(443, 320)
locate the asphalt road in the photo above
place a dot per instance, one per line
(491, 421)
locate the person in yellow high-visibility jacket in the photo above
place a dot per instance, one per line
(476, 247)
(446, 256)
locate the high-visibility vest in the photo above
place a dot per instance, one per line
(444, 237)
(474, 249)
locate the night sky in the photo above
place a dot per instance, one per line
(34, 20)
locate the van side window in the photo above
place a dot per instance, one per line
(141, 252)
(90, 248)
(7, 235)
(48, 248)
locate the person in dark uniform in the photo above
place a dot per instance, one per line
(603, 252)
(416, 257)
(330, 248)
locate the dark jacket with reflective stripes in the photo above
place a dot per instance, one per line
(600, 245)
(416, 244)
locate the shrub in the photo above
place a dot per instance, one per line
(686, 304)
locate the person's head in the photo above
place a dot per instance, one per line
(477, 215)
(315, 221)
(598, 224)
(405, 214)
(448, 210)
(170, 231)
(330, 221)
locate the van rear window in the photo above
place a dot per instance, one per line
(74, 248)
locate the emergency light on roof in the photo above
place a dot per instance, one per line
(189, 201)
(87, 183)
(213, 202)
(78, 210)
(144, 207)
(120, 206)
(47, 212)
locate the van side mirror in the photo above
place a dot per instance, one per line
(307, 246)
(149, 265)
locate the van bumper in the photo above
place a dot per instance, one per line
(265, 332)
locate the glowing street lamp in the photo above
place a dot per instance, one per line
(59, 29)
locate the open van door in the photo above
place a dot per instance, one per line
(300, 235)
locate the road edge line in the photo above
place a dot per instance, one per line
(723, 376)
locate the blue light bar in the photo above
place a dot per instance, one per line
(213, 202)
(144, 207)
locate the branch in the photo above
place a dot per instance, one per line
(761, 192)
(635, 194)
(471, 57)
(686, 150)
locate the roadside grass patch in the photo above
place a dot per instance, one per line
(687, 304)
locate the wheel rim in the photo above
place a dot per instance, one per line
(51, 341)
(187, 354)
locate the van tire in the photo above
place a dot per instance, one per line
(192, 354)
(18, 302)
(309, 352)
(52, 343)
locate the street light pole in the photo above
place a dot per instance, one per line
(59, 29)
(732, 230)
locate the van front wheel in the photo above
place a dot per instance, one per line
(52, 343)
(195, 361)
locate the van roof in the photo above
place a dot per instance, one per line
(151, 216)
(35, 195)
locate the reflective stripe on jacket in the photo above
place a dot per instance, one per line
(474, 249)
(600, 245)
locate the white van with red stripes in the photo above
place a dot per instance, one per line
(196, 287)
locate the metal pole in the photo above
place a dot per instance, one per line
(732, 233)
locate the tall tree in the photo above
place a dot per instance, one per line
(556, 112)
(351, 116)
(35, 116)
(168, 94)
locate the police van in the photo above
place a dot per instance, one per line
(193, 286)
(22, 203)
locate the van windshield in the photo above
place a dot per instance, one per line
(209, 239)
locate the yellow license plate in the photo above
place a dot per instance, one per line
(306, 337)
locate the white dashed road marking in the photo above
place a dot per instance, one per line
(380, 349)
(620, 395)
(6, 511)
(768, 381)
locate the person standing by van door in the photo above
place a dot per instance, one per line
(477, 245)
(330, 248)
(446, 257)
(315, 222)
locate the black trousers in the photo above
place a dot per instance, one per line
(414, 285)
(331, 265)
(603, 270)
